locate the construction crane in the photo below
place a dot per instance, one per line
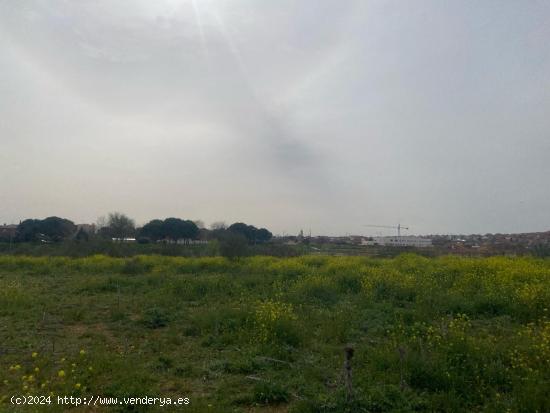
(399, 227)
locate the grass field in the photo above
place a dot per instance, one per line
(268, 334)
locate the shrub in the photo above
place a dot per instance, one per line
(233, 245)
(274, 323)
(220, 321)
(155, 318)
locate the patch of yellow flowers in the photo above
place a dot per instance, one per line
(268, 314)
(31, 377)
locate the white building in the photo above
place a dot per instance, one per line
(402, 241)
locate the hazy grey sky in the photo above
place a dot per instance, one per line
(286, 114)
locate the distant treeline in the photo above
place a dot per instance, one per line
(119, 227)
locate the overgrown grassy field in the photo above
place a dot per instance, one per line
(267, 334)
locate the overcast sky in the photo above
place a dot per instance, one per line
(321, 115)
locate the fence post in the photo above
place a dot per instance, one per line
(347, 372)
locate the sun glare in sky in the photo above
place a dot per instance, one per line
(289, 114)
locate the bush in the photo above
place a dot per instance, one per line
(233, 245)
(223, 322)
(274, 323)
(155, 318)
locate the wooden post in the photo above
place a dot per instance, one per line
(347, 371)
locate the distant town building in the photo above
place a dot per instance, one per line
(183, 241)
(402, 241)
(130, 240)
(187, 241)
(8, 231)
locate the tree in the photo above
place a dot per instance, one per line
(57, 229)
(28, 230)
(263, 235)
(153, 230)
(175, 228)
(252, 234)
(246, 230)
(49, 229)
(120, 225)
(171, 228)
(192, 230)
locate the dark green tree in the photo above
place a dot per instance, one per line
(251, 233)
(49, 229)
(175, 229)
(263, 235)
(248, 231)
(56, 229)
(28, 230)
(153, 230)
